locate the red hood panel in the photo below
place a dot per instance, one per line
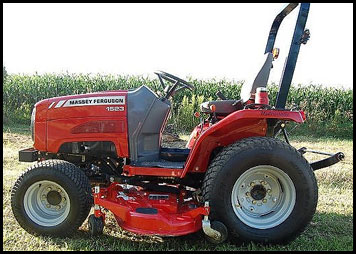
(104, 104)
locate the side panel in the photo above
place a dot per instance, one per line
(88, 117)
(236, 126)
(68, 128)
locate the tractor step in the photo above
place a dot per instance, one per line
(174, 154)
(161, 164)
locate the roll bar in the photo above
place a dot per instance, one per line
(300, 36)
(275, 25)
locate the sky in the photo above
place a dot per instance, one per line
(202, 41)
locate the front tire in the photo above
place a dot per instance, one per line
(52, 197)
(262, 189)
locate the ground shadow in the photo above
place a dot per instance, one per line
(327, 231)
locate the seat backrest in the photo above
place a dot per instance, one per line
(260, 81)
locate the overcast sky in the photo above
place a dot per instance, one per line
(199, 40)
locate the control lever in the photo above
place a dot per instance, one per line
(220, 95)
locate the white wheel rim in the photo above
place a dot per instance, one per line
(263, 197)
(46, 203)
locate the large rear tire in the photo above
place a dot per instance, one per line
(262, 189)
(52, 197)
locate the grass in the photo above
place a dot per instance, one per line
(330, 229)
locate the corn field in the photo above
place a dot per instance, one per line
(329, 110)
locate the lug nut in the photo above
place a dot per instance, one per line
(263, 182)
(252, 183)
(59, 190)
(48, 205)
(264, 200)
(247, 193)
(49, 188)
(238, 205)
(58, 207)
(254, 202)
(269, 191)
(44, 196)
(64, 199)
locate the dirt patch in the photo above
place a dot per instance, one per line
(15, 139)
(170, 138)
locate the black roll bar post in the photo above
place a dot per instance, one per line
(291, 61)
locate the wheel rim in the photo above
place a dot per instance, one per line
(263, 197)
(46, 203)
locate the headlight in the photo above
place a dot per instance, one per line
(33, 124)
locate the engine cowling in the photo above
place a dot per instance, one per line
(128, 122)
(86, 117)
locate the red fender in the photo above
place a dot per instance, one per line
(238, 125)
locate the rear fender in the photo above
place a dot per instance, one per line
(236, 126)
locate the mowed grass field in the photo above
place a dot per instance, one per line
(330, 229)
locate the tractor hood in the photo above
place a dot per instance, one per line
(77, 117)
(132, 120)
(87, 105)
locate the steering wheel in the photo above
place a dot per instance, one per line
(172, 79)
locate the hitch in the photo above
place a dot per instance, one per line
(331, 160)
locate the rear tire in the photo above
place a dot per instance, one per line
(275, 209)
(52, 197)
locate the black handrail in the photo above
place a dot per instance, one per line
(291, 61)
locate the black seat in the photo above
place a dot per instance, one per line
(223, 107)
(248, 90)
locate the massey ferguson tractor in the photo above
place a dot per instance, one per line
(235, 177)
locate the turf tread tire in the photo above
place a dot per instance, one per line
(76, 182)
(213, 181)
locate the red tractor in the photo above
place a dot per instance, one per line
(234, 176)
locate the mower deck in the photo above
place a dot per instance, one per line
(150, 212)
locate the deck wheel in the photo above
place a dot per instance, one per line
(96, 225)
